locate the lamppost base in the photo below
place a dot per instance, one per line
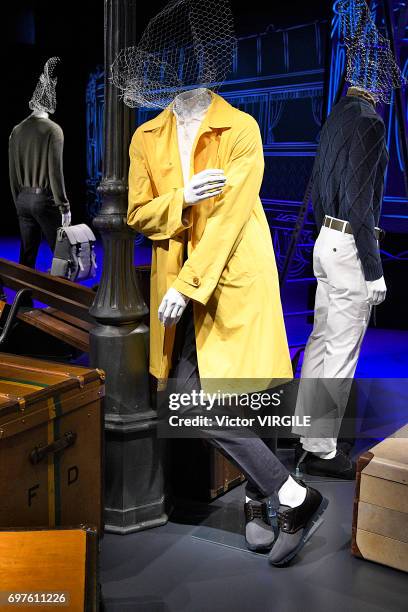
(135, 497)
(134, 457)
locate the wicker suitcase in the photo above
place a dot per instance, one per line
(45, 569)
(380, 517)
(51, 427)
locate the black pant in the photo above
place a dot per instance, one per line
(264, 472)
(37, 214)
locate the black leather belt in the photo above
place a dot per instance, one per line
(36, 190)
(345, 227)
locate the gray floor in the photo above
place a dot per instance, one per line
(198, 563)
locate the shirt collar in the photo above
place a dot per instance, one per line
(361, 93)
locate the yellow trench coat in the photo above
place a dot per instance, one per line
(231, 272)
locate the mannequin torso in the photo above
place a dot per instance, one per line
(190, 108)
(41, 139)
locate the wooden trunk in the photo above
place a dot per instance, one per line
(199, 471)
(224, 475)
(380, 517)
(59, 565)
(51, 433)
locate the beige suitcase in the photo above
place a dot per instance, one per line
(380, 517)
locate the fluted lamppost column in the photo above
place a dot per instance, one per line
(134, 487)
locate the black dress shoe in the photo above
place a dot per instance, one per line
(296, 526)
(341, 466)
(345, 447)
(259, 535)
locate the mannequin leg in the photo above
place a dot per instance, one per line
(346, 327)
(30, 231)
(264, 472)
(315, 351)
(347, 323)
(49, 219)
(315, 439)
(302, 506)
(342, 329)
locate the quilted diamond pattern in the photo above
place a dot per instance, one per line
(348, 175)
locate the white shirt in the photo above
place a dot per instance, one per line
(189, 113)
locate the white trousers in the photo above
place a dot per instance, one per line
(341, 317)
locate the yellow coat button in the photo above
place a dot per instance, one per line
(196, 281)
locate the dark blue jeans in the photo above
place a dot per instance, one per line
(264, 472)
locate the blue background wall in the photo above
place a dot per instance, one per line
(278, 78)
(284, 77)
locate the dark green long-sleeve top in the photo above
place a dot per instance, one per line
(35, 158)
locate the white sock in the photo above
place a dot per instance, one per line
(329, 455)
(291, 493)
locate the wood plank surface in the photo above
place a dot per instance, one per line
(74, 321)
(49, 561)
(57, 292)
(74, 336)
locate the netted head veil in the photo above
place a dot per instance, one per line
(189, 43)
(44, 96)
(370, 62)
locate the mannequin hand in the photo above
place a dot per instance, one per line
(172, 307)
(377, 291)
(66, 219)
(205, 184)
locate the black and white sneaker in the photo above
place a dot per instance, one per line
(259, 534)
(296, 526)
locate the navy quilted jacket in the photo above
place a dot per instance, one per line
(348, 175)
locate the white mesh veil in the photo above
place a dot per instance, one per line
(370, 61)
(44, 96)
(189, 43)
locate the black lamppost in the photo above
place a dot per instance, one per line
(134, 486)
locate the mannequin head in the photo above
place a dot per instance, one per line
(371, 66)
(190, 94)
(188, 44)
(197, 99)
(44, 99)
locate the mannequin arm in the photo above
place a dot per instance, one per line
(316, 198)
(12, 170)
(158, 218)
(365, 153)
(55, 165)
(201, 272)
